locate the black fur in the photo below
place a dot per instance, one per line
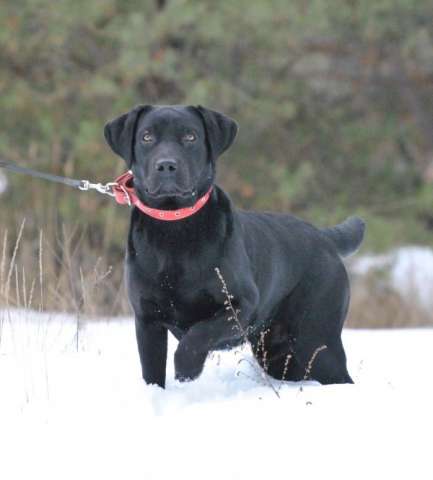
(285, 275)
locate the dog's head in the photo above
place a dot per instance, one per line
(171, 150)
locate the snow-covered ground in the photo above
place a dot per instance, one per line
(73, 405)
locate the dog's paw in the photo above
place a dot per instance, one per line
(188, 363)
(181, 378)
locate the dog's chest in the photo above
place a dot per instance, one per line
(180, 307)
(177, 293)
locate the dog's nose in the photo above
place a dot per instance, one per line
(166, 165)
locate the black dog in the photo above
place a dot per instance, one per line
(286, 276)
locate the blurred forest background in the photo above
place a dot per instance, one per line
(334, 99)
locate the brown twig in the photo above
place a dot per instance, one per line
(234, 316)
(313, 357)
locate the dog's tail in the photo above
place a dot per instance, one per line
(346, 236)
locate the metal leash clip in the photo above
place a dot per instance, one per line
(105, 189)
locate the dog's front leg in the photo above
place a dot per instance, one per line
(152, 348)
(205, 336)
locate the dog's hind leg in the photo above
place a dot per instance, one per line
(303, 340)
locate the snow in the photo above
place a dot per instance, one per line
(73, 405)
(3, 183)
(410, 272)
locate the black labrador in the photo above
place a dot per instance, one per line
(286, 276)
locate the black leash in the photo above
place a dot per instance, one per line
(83, 185)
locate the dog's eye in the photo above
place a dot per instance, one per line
(189, 137)
(147, 137)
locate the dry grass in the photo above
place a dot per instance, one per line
(35, 274)
(375, 304)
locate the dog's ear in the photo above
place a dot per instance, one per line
(220, 130)
(120, 132)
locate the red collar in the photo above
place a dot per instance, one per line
(124, 194)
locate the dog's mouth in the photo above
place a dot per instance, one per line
(162, 193)
(169, 190)
(166, 195)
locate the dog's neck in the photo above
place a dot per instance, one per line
(125, 194)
